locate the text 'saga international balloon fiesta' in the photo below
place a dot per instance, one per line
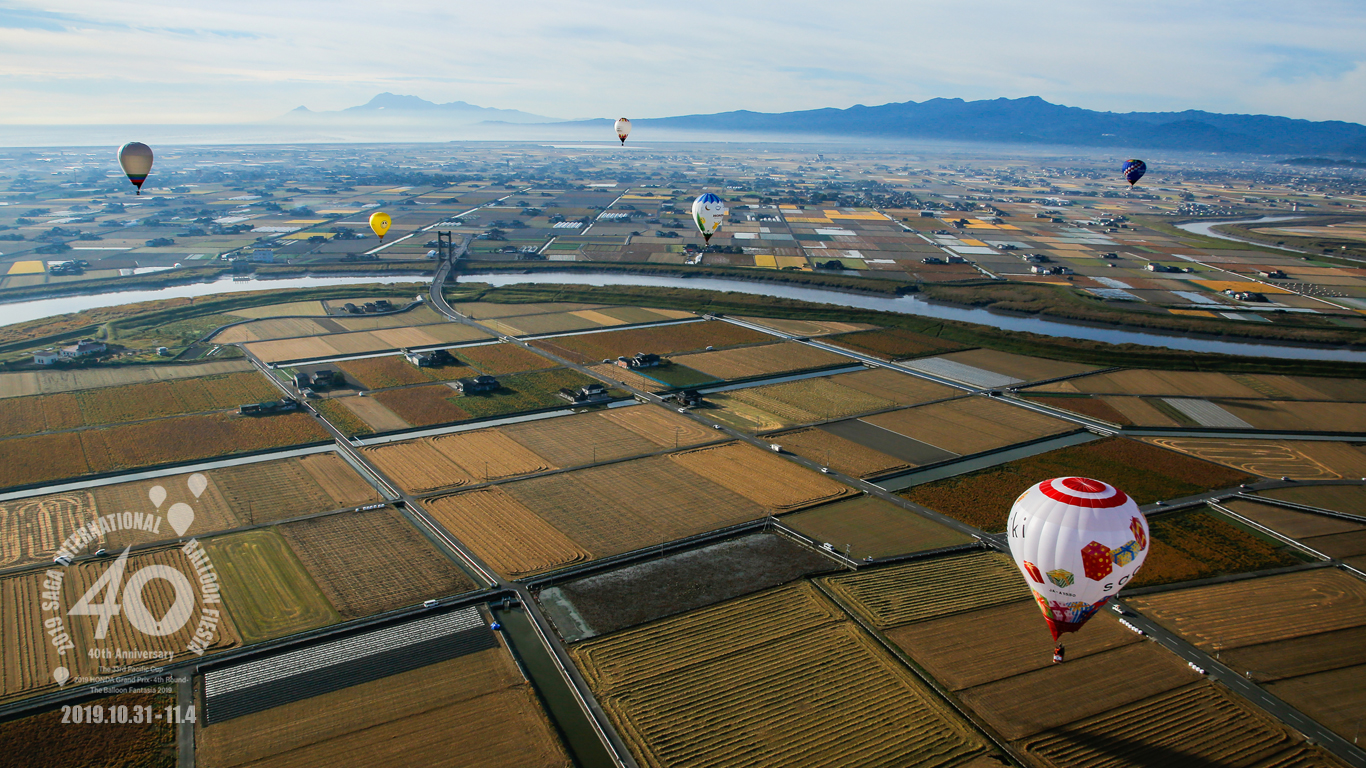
(1078, 542)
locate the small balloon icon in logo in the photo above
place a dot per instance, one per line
(198, 483)
(180, 516)
(61, 675)
(157, 494)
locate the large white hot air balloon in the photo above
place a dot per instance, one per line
(136, 160)
(623, 129)
(1078, 542)
(708, 211)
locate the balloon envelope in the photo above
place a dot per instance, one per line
(623, 129)
(379, 223)
(1134, 170)
(1077, 541)
(136, 160)
(708, 211)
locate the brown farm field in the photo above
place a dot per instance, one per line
(460, 458)
(1296, 459)
(870, 527)
(1289, 416)
(899, 388)
(1145, 472)
(478, 702)
(268, 592)
(500, 358)
(346, 420)
(810, 400)
(1201, 543)
(795, 682)
(970, 425)
(1204, 384)
(511, 538)
(1095, 407)
(761, 360)
(809, 327)
(897, 595)
(1021, 367)
(47, 382)
(1338, 498)
(44, 458)
(839, 454)
(762, 477)
(894, 343)
(45, 739)
(394, 371)
(667, 340)
(423, 406)
(374, 561)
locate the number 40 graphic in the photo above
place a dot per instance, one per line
(133, 608)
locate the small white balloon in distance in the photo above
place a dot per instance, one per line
(708, 213)
(623, 128)
(1077, 541)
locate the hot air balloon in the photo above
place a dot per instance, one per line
(379, 223)
(136, 159)
(1078, 542)
(708, 211)
(623, 129)
(1134, 170)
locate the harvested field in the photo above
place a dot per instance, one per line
(422, 315)
(762, 360)
(1021, 367)
(762, 477)
(808, 400)
(371, 562)
(1030, 702)
(966, 649)
(894, 343)
(1296, 459)
(660, 426)
(1201, 543)
(919, 591)
(506, 535)
(1338, 498)
(870, 527)
(970, 425)
(289, 349)
(498, 359)
(738, 414)
(292, 308)
(424, 406)
(1140, 410)
(802, 686)
(833, 451)
(1225, 616)
(372, 414)
(478, 702)
(1336, 698)
(28, 658)
(1178, 722)
(43, 739)
(667, 340)
(809, 327)
(899, 388)
(630, 379)
(1094, 407)
(460, 458)
(1145, 472)
(530, 325)
(361, 342)
(621, 507)
(1199, 384)
(48, 382)
(45, 458)
(394, 371)
(268, 592)
(345, 419)
(522, 392)
(571, 441)
(1295, 658)
(481, 310)
(1289, 522)
(1289, 416)
(276, 490)
(640, 593)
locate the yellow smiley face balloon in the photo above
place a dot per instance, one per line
(379, 223)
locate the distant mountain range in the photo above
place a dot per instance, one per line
(1029, 120)
(388, 107)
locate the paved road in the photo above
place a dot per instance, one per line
(184, 731)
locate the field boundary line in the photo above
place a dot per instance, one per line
(807, 541)
(1296, 506)
(1038, 441)
(934, 685)
(1227, 578)
(608, 329)
(1268, 531)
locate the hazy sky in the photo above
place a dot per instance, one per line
(189, 61)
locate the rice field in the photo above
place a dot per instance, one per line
(354, 343)
(761, 477)
(870, 527)
(460, 458)
(423, 406)
(667, 340)
(894, 386)
(1201, 543)
(894, 343)
(46, 458)
(1338, 498)
(794, 682)
(266, 589)
(370, 562)
(47, 382)
(922, 591)
(1296, 459)
(810, 400)
(809, 327)
(1289, 416)
(1147, 473)
(475, 710)
(44, 738)
(841, 455)
(1022, 367)
(521, 392)
(501, 358)
(970, 425)
(762, 360)
(512, 539)
(630, 379)
(395, 371)
(1204, 384)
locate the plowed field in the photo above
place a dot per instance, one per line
(899, 388)
(572, 441)
(1339, 498)
(970, 425)
(45, 739)
(617, 373)
(762, 477)
(666, 340)
(370, 562)
(453, 460)
(1195, 384)
(1296, 459)
(921, 591)
(842, 455)
(512, 539)
(763, 360)
(660, 426)
(472, 710)
(801, 686)
(423, 406)
(267, 591)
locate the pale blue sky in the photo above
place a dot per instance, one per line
(189, 61)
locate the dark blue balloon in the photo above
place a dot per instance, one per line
(1134, 170)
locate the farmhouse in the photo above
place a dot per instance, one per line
(588, 393)
(477, 384)
(83, 348)
(428, 359)
(47, 356)
(272, 406)
(640, 360)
